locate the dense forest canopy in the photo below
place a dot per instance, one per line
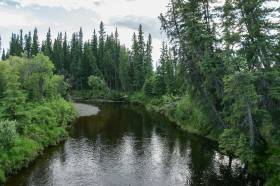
(218, 75)
(102, 56)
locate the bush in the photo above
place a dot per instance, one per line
(7, 133)
(43, 115)
(149, 87)
(192, 115)
(64, 111)
(98, 86)
(2, 176)
(234, 142)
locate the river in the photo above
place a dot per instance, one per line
(123, 145)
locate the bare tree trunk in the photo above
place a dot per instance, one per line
(251, 125)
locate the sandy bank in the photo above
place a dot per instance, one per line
(85, 109)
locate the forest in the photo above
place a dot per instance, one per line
(218, 76)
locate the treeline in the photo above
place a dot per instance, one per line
(102, 56)
(227, 61)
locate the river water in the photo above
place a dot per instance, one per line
(125, 146)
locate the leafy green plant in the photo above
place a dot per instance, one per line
(8, 134)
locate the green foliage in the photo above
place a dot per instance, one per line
(239, 94)
(56, 86)
(41, 120)
(160, 86)
(149, 87)
(7, 134)
(14, 99)
(43, 115)
(5, 69)
(98, 86)
(233, 142)
(192, 116)
(2, 176)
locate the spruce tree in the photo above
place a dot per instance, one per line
(124, 69)
(139, 62)
(48, 45)
(57, 56)
(13, 45)
(66, 56)
(3, 55)
(28, 44)
(101, 48)
(133, 62)
(21, 47)
(148, 66)
(35, 43)
(94, 45)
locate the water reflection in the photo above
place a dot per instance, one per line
(123, 145)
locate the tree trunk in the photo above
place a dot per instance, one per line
(251, 125)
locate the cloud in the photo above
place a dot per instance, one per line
(98, 3)
(150, 25)
(66, 4)
(17, 19)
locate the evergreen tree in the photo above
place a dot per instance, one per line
(81, 41)
(3, 55)
(35, 43)
(124, 70)
(133, 62)
(28, 44)
(14, 45)
(57, 56)
(148, 65)
(116, 60)
(139, 60)
(94, 45)
(66, 56)
(101, 48)
(189, 25)
(89, 65)
(21, 47)
(48, 45)
(76, 61)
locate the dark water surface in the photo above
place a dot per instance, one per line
(123, 146)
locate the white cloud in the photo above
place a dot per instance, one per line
(14, 19)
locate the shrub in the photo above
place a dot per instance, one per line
(149, 87)
(2, 176)
(233, 141)
(98, 86)
(7, 133)
(43, 115)
(192, 115)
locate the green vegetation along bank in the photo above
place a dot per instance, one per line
(33, 113)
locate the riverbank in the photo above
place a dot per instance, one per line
(47, 126)
(85, 109)
(180, 111)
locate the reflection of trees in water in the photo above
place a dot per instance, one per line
(145, 147)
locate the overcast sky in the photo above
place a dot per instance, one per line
(70, 15)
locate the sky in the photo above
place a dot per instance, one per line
(69, 15)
